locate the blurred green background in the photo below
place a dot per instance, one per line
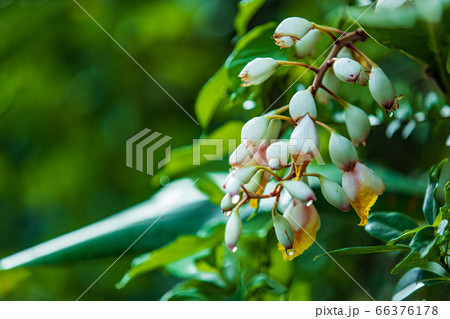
(70, 98)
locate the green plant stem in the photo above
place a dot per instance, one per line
(329, 129)
(278, 178)
(335, 96)
(326, 30)
(282, 117)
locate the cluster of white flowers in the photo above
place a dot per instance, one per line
(260, 157)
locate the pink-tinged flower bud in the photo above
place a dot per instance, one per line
(242, 155)
(277, 155)
(293, 28)
(342, 152)
(382, 89)
(229, 202)
(255, 129)
(334, 194)
(305, 222)
(302, 103)
(387, 5)
(348, 70)
(300, 191)
(237, 178)
(255, 182)
(283, 231)
(305, 139)
(358, 124)
(258, 70)
(306, 46)
(332, 83)
(362, 187)
(233, 231)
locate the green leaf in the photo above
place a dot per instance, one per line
(412, 281)
(261, 281)
(182, 247)
(413, 259)
(388, 225)
(209, 187)
(406, 235)
(430, 206)
(211, 95)
(246, 10)
(423, 241)
(196, 290)
(188, 160)
(362, 250)
(175, 210)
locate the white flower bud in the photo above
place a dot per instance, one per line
(255, 129)
(242, 155)
(237, 178)
(342, 152)
(299, 190)
(302, 103)
(332, 83)
(345, 53)
(258, 70)
(305, 139)
(293, 28)
(382, 89)
(229, 202)
(277, 155)
(272, 132)
(358, 124)
(255, 182)
(386, 5)
(334, 194)
(348, 70)
(306, 46)
(233, 231)
(283, 231)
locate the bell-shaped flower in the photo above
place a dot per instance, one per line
(348, 70)
(300, 191)
(283, 231)
(233, 230)
(255, 129)
(358, 124)
(304, 140)
(332, 83)
(362, 187)
(237, 178)
(334, 194)
(291, 30)
(306, 46)
(382, 89)
(229, 202)
(277, 155)
(302, 103)
(242, 155)
(258, 70)
(342, 152)
(305, 223)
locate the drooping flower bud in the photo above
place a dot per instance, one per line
(229, 202)
(305, 222)
(237, 178)
(348, 70)
(306, 46)
(345, 53)
(293, 28)
(242, 155)
(358, 124)
(342, 152)
(382, 89)
(300, 191)
(255, 182)
(362, 187)
(255, 129)
(332, 83)
(305, 139)
(272, 133)
(334, 194)
(302, 103)
(258, 70)
(277, 155)
(233, 231)
(283, 231)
